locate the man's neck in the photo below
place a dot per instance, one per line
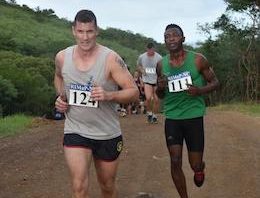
(150, 54)
(177, 58)
(84, 59)
(85, 54)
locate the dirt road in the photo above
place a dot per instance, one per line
(32, 164)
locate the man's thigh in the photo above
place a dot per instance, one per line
(78, 160)
(194, 134)
(106, 170)
(148, 91)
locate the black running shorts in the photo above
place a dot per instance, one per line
(190, 130)
(108, 150)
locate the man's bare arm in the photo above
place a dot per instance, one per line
(118, 72)
(161, 81)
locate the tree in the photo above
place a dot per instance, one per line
(248, 62)
(236, 50)
(7, 94)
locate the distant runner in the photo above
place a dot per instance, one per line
(147, 63)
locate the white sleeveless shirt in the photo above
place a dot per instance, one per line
(99, 123)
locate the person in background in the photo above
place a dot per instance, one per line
(183, 78)
(146, 64)
(138, 106)
(86, 79)
(125, 109)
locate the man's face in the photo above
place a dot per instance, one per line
(85, 35)
(173, 39)
(150, 51)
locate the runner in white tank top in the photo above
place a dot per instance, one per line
(86, 79)
(147, 63)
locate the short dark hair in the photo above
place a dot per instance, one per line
(172, 25)
(150, 46)
(85, 16)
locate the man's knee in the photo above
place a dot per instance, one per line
(107, 186)
(148, 98)
(176, 162)
(79, 187)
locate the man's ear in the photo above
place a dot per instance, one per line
(183, 39)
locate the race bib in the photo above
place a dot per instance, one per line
(180, 82)
(80, 96)
(150, 70)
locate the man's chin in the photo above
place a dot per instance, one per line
(85, 47)
(173, 49)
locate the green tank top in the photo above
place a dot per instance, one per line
(177, 103)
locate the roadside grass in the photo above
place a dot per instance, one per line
(11, 125)
(252, 109)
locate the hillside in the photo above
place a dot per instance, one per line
(41, 33)
(29, 40)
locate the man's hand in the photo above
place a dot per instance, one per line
(161, 86)
(61, 104)
(162, 82)
(99, 94)
(193, 90)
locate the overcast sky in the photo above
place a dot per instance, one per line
(146, 17)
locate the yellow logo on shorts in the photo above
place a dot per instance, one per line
(120, 146)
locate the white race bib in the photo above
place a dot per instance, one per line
(180, 82)
(80, 96)
(150, 70)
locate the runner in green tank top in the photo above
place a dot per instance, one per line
(183, 77)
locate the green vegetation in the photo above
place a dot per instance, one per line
(30, 38)
(11, 125)
(251, 108)
(235, 52)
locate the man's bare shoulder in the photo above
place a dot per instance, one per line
(115, 60)
(200, 57)
(60, 54)
(59, 58)
(201, 61)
